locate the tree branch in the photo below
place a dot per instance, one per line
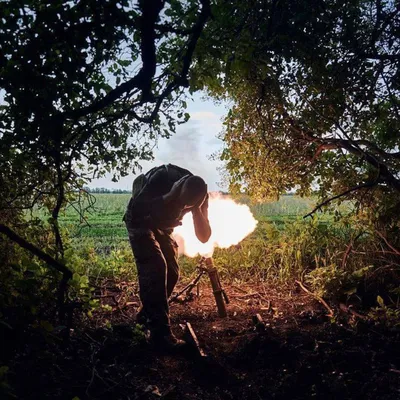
(319, 298)
(171, 29)
(384, 171)
(60, 199)
(388, 244)
(353, 189)
(150, 13)
(380, 56)
(373, 146)
(352, 146)
(321, 148)
(181, 79)
(111, 96)
(143, 79)
(35, 251)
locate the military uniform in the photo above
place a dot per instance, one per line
(150, 224)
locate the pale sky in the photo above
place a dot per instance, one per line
(190, 147)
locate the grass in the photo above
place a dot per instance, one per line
(103, 228)
(281, 248)
(106, 229)
(105, 232)
(284, 247)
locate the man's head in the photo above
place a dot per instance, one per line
(193, 191)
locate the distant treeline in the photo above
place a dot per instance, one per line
(122, 191)
(105, 190)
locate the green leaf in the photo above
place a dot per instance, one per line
(46, 325)
(3, 370)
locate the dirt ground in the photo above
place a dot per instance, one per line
(300, 354)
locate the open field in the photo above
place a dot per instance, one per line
(106, 230)
(282, 247)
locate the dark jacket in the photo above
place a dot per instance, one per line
(146, 208)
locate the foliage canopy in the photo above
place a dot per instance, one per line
(315, 87)
(88, 87)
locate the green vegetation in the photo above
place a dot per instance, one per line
(314, 100)
(87, 88)
(104, 228)
(101, 238)
(330, 252)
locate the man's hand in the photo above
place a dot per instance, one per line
(200, 219)
(202, 205)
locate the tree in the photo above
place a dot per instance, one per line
(315, 91)
(88, 88)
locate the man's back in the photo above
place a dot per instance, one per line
(147, 192)
(159, 181)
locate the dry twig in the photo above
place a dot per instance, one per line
(320, 299)
(388, 244)
(239, 289)
(396, 371)
(350, 310)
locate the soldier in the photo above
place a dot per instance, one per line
(160, 199)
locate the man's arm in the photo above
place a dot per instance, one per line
(202, 226)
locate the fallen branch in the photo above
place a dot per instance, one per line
(131, 303)
(239, 289)
(108, 296)
(396, 371)
(245, 296)
(192, 340)
(255, 294)
(268, 308)
(320, 299)
(51, 262)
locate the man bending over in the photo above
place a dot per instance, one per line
(160, 199)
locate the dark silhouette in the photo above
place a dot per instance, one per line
(159, 201)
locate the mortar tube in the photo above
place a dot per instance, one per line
(216, 286)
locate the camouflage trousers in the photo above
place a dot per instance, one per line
(156, 256)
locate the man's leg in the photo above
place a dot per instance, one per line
(152, 274)
(169, 248)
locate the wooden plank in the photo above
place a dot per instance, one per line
(191, 338)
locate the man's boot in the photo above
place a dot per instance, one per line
(166, 341)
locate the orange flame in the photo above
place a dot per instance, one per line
(230, 224)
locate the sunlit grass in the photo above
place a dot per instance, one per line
(283, 244)
(105, 232)
(105, 229)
